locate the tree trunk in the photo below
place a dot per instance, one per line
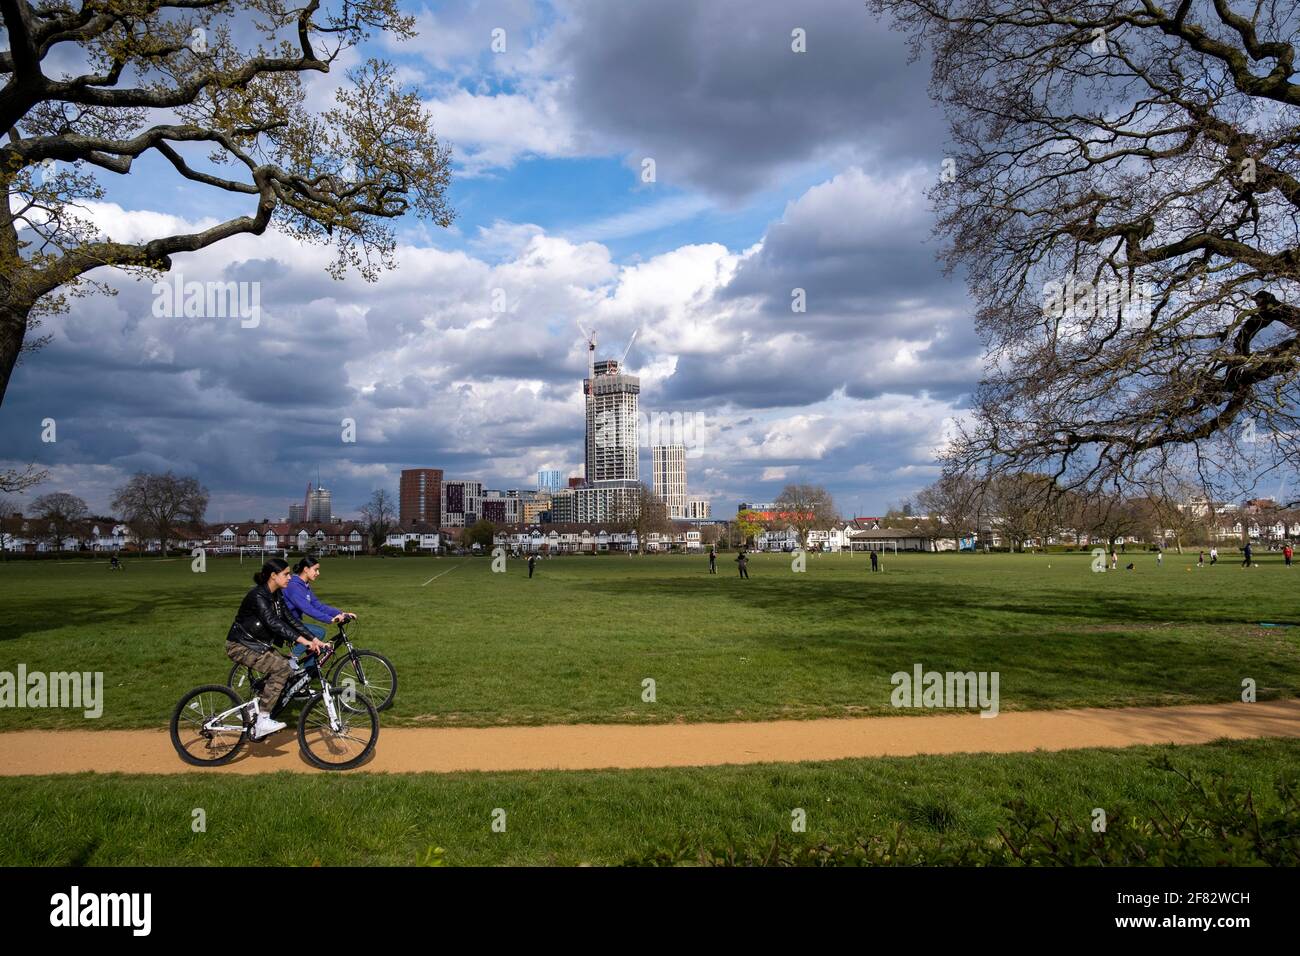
(13, 328)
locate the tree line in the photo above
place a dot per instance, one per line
(1030, 508)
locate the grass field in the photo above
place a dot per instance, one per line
(596, 817)
(575, 643)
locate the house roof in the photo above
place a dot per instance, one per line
(887, 533)
(564, 527)
(421, 527)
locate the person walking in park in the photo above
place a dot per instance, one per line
(1214, 556)
(1200, 559)
(1287, 553)
(1114, 559)
(532, 560)
(1160, 558)
(713, 560)
(742, 562)
(1245, 551)
(875, 561)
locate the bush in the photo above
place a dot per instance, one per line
(1215, 824)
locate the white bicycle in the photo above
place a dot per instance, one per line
(337, 728)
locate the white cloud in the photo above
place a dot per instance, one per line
(494, 130)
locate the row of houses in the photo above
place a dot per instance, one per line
(859, 534)
(21, 535)
(579, 538)
(555, 538)
(574, 538)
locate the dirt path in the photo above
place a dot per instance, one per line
(589, 746)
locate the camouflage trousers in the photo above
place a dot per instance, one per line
(273, 665)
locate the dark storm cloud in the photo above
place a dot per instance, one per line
(879, 314)
(702, 381)
(714, 93)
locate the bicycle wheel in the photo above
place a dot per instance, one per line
(245, 681)
(372, 674)
(338, 747)
(208, 747)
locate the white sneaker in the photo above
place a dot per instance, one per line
(265, 726)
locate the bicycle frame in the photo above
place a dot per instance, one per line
(342, 635)
(300, 680)
(211, 725)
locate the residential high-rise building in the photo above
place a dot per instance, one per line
(535, 506)
(698, 508)
(462, 503)
(297, 514)
(502, 507)
(564, 506)
(607, 501)
(320, 506)
(420, 497)
(550, 480)
(611, 476)
(611, 423)
(669, 478)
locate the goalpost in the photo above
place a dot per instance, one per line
(871, 545)
(262, 553)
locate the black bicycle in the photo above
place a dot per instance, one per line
(370, 673)
(337, 728)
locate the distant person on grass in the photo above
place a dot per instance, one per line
(1200, 559)
(1287, 553)
(742, 562)
(1214, 556)
(532, 560)
(302, 601)
(115, 565)
(875, 561)
(263, 620)
(713, 560)
(1245, 563)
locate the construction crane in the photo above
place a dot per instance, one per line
(591, 355)
(623, 360)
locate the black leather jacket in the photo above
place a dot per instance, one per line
(263, 620)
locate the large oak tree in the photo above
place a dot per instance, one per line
(59, 515)
(1123, 145)
(213, 89)
(159, 505)
(804, 508)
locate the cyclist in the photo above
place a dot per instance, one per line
(263, 620)
(300, 600)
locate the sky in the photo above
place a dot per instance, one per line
(775, 170)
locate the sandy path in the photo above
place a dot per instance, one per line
(590, 746)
